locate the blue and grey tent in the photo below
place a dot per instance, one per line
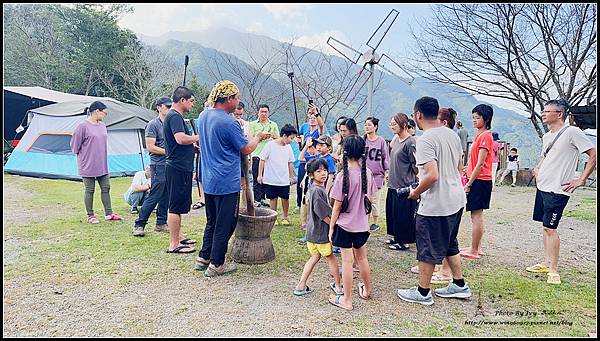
(45, 151)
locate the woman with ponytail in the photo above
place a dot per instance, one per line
(90, 143)
(349, 225)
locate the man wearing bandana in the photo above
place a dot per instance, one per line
(221, 140)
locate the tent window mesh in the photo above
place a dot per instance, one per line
(53, 144)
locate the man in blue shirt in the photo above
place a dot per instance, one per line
(221, 142)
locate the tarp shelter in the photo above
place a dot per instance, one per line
(18, 100)
(45, 151)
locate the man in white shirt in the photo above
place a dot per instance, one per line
(139, 189)
(555, 178)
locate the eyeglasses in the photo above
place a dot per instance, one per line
(547, 111)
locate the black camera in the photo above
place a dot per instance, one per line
(405, 191)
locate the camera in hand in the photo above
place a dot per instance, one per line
(405, 191)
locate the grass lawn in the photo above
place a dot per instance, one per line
(63, 245)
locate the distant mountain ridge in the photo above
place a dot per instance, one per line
(392, 96)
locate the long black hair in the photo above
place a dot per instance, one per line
(97, 105)
(311, 167)
(355, 149)
(350, 123)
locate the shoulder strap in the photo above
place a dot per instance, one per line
(556, 138)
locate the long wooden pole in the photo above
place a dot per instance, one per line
(249, 195)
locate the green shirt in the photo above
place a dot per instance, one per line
(256, 126)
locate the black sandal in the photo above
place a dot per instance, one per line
(198, 205)
(180, 248)
(399, 247)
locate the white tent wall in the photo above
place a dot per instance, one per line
(126, 154)
(40, 124)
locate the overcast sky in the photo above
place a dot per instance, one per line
(308, 24)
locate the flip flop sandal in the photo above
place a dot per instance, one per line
(437, 279)
(179, 248)
(198, 205)
(538, 268)
(307, 290)
(361, 289)
(469, 256)
(335, 289)
(336, 302)
(188, 241)
(390, 242)
(553, 278)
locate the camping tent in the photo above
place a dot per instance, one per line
(20, 99)
(45, 151)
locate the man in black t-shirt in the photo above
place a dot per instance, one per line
(179, 167)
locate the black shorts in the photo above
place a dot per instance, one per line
(436, 237)
(344, 239)
(179, 187)
(274, 192)
(549, 208)
(479, 196)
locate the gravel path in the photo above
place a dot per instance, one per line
(243, 304)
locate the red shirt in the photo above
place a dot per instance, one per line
(485, 141)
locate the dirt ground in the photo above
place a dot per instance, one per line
(243, 304)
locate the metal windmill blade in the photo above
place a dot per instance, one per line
(346, 51)
(383, 29)
(363, 77)
(392, 67)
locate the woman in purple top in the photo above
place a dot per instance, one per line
(90, 143)
(378, 161)
(400, 212)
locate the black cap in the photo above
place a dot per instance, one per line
(164, 100)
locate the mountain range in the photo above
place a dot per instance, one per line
(393, 95)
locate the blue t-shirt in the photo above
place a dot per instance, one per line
(305, 128)
(330, 163)
(179, 156)
(221, 138)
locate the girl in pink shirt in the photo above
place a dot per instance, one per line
(349, 228)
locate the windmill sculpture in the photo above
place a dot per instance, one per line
(369, 59)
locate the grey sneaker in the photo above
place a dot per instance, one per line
(213, 271)
(373, 228)
(453, 290)
(138, 231)
(161, 228)
(414, 296)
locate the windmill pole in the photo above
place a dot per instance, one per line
(370, 91)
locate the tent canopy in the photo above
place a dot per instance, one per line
(38, 92)
(120, 115)
(19, 99)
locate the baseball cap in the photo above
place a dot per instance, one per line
(164, 100)
(324, 140)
